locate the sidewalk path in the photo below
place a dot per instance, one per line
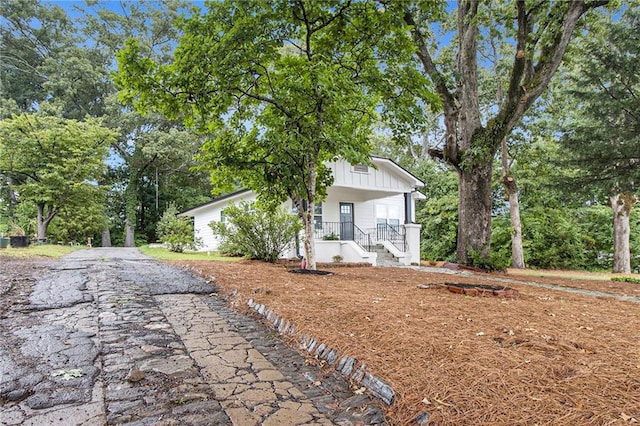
(110, 336)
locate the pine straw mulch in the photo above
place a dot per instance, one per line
(548, 357)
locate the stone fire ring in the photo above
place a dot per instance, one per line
(481, 290)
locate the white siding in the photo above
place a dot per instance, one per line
(377, 193)
(382, 178)
(390, 208)
(210, 213)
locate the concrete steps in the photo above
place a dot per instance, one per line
(384, 256)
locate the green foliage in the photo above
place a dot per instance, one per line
(257, 231)
(601, 132)
(495, 261)
(79, 221)
(53, 162)
(46, 60)
(626, 279)
(596, 231)
(269, 130)
(559, 238)
(162, 253)
(438, 214)
(439, 219)
(177, 232)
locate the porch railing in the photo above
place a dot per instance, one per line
(395, 234)
(362, 238)
(327, 231)
(346, 231)
(365, 239)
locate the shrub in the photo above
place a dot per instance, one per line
(494, 262)
(626, 279)
(176, 232)
(256, 231)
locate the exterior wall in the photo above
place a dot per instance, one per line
(375, 194)
(365, 212)
(380, 178)
(350, 252)
(209, 213)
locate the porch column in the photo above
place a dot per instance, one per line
(407, 207)
(412, 232)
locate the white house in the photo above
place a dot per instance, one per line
(368, 215)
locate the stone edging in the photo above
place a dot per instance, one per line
(346, 365)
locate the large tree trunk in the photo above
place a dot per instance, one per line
(13, 197)
(509, 183)
(43, 221)
(129, 238)
(621, 205)
(517, 252)
(474, 213)
(106, 238)
(469, 146)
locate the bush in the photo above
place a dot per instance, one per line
(626, 280)
(176, 232)
(439, 219)
(494, 262)
(256, 231)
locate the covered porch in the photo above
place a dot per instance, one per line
(372, 226)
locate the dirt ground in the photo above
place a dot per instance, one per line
(546, 357)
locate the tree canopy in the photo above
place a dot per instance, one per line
(602, 131)
(602, 127)
(533, 40)
(278, 88)
(54, 161)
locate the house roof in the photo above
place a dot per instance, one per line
(192, 210)
(401, 170)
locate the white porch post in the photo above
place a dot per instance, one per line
(412, 232)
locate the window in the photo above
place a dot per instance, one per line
(387, 215)
(361, 168)
(317, 214)
(223, 217)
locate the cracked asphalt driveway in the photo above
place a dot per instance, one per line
(109, 336)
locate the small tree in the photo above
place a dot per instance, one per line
(176, 232)
(53, 162)
(257, 231)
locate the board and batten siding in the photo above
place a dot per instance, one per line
(380, 178)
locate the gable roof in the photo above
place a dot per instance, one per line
(399, 169)
(216, 200)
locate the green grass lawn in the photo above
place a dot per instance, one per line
(162, 253)
(43, 250)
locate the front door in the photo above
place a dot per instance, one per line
(346, 221)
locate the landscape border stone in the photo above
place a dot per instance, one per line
(347, 364)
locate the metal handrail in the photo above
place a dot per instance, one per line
(362, 238)
(365, 239)
(333, 231)
(328, 231)
(394, 234)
